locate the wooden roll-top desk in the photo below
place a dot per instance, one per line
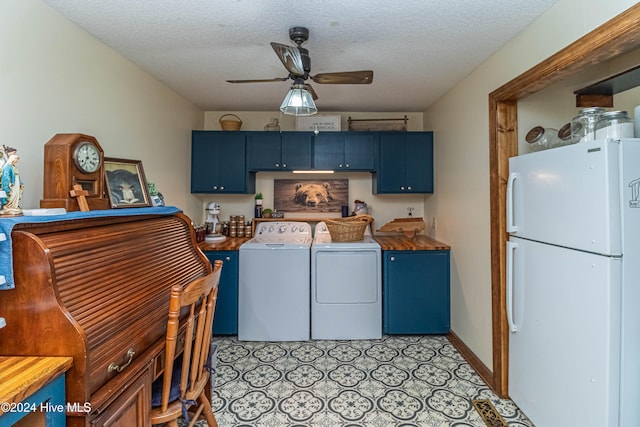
(97, 289)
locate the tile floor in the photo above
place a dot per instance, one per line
(399, 381)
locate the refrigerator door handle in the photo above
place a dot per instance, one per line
(511, 247)
(511, 227)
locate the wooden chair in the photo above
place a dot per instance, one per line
(181, 391)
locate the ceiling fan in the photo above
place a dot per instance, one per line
(298, 63)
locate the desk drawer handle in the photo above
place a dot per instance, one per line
(113, 367)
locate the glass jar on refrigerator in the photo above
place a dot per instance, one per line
(583, 126)
(614, 125)
(540, 138)
(564, 135)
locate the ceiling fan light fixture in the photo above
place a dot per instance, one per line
(298, 102)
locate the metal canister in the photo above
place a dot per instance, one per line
(233, 230)
(240, 230)
(240, 220)
(247, 230)
(233, 218)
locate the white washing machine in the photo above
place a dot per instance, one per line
(346, 288)
(274, 283)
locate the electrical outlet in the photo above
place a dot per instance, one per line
(410, 211)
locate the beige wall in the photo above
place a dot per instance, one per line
(55, 78)
(460, 123)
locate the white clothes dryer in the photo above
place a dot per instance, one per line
(274, 283)
(346, 288)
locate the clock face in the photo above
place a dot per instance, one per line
(87, 157)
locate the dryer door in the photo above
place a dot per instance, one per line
(346, 277)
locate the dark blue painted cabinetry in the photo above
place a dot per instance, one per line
(349, 151)
(416, 292)
(405, 163)
(218, 163)
(274, 151)
(225, 320)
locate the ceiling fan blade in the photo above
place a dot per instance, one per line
(290, 57)
(277, 79)
(313, 93)
(347, 77)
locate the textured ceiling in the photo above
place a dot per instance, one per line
(418, 49)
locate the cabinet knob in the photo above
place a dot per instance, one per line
(284, 165)
(277, 165)
(409, 188)
(402, 188)
(227, 258)
(215, 187)
(340, 165)
(222, 187)
(347, 165)
(392, 258)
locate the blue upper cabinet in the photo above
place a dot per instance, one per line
(405, 163)
(218, 163)
(279, 151)
(348, 151)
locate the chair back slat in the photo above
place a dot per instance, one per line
(200, 297)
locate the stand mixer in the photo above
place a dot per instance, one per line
(213, 225)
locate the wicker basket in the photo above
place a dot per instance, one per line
(349, 229)
(230, 124)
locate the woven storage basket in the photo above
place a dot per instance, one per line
(349, 229)
(230, 124)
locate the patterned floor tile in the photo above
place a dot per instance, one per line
(398, 381)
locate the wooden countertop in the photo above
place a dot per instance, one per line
(20, 377)
(228, 244)
(420, 242)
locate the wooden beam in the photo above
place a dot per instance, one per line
(589, 100)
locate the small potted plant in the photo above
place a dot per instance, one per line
(266, 213)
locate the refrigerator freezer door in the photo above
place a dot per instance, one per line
(563, 363)
(568, 196)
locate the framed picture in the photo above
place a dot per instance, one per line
(310, 195)
(126, 184)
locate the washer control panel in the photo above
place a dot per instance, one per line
(283, 232)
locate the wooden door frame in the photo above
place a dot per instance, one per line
(615, 37)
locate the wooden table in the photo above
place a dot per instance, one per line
(32, 390)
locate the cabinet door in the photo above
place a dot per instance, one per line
(405, 163)
(416, 292)
(360, 150)
(391, 168)
(218, 163)
(225, 320)
(204, 160)
(231, 163)
(263, 151)
(328, 151)
(131, 408)
(296, 150)
(419, 162)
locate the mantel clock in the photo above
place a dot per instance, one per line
(70, 159)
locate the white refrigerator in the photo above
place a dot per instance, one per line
(573, 284)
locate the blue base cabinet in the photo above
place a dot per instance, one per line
(225, 320)
(416, 294)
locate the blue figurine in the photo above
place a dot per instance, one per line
(11, 183)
